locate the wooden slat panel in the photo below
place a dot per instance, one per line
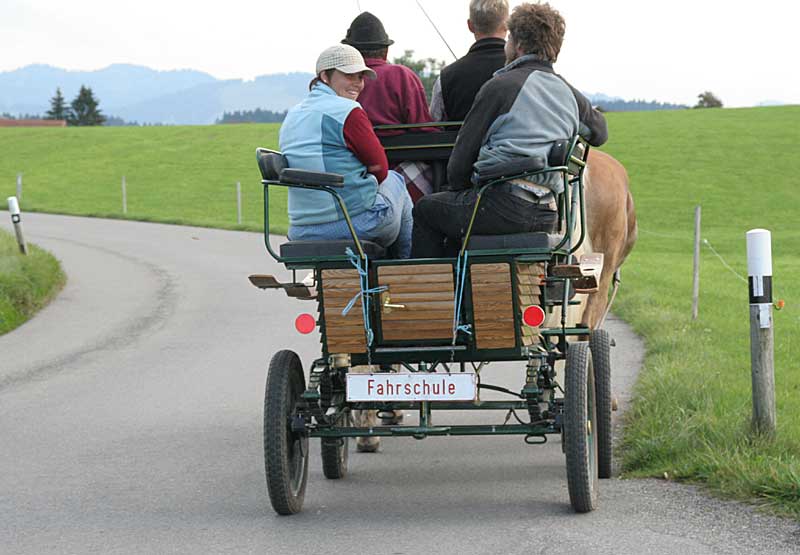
(354, 317)
(412, 334)
(427, 296)
(495, 324)
(495, 344)
(418, 324)
(416, 315)
(529, 289)
(331, 274)
(492, 304)
(420, 278)
(420, 287)
(415, 269)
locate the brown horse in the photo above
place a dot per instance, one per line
(610, 225)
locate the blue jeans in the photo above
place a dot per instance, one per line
(388, 222)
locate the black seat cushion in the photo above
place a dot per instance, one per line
(298, 249)
(532, 240)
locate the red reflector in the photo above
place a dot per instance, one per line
(305, 323)
(533, 316)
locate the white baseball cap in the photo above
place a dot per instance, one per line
(345, 58)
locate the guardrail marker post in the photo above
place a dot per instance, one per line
(238, 203)
(124, 197)
(696, 280)
(16, 219)
(762, 359)
(19, 187)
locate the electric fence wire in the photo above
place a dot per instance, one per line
(708, 244)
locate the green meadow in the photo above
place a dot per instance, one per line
(692, 405)
(27, 283)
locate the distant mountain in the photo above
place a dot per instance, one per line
(771, 103)
(137, 93)
(144, 95)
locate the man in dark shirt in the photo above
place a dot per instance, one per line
(456, 87)
(518, 115)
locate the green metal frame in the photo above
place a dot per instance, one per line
(553, 340)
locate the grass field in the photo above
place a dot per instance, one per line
(184, 175)
(692, 404)
(27, 283)
(693, 401)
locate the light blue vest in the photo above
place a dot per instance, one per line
(312, 138)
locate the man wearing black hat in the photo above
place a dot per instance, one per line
(396, 96)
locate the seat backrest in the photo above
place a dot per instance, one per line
(271, 163)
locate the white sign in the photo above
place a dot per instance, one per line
(422, 386)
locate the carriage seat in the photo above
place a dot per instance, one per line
(530, 240)
(298, 249)
(274, 167)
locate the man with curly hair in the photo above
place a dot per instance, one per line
(517, 117)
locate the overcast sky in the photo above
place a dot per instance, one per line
(745, 53)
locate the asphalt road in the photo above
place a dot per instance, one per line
(130, 422)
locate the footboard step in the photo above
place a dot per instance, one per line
(296, 290)
(585, 274)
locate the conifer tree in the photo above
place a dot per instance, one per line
(58, 107)
(85, 109)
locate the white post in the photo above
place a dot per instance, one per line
(696, 280)
(19, 187)
(238, 203)
(16, 219)
(759, 271)
(124, 197)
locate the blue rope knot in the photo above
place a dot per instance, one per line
(363, 294)
(461, 274)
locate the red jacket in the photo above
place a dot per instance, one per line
(396, 96)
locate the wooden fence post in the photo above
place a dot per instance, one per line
(762, 359)
(124, 196)
(238, 203)
(696, 279)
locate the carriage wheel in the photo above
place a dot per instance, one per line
(335, 452)
(285, 452)
(600, 345)
(580, 416)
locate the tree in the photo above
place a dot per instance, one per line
(85, 110)
(708, 100)
(58, 107)
(427, 70)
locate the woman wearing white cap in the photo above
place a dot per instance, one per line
(329, 131)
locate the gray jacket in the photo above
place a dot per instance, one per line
(521, 112)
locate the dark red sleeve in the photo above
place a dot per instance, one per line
(361, 139)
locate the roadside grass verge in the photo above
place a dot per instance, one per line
(27, 283)
(180, 175)
(692, 404)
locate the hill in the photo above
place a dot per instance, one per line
(137, 93)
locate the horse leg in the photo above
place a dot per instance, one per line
(365, 419)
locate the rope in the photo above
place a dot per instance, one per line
(461, 274)
(364, 295)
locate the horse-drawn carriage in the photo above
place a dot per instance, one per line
(426, 328)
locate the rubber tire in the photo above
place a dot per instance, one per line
(581, 446)
(600, 345)
(285, 453)
(335, 453)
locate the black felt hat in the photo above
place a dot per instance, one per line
(366, 32)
